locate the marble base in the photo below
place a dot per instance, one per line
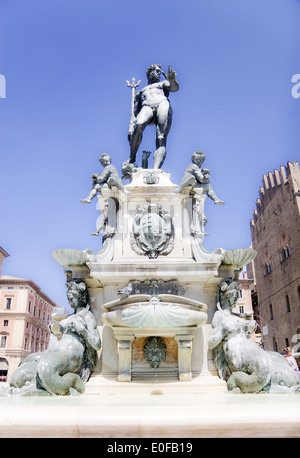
(201, 408)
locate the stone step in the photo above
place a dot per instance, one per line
(155, 376)
(143, 384)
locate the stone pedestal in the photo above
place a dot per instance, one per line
(153, 245)
(124, 351)
(185, 357)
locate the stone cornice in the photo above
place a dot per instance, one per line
(3, 252)
(24, 282)
(10, 314)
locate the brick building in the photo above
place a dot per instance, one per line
(275, 232)
(25, 315)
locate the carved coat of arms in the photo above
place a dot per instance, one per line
(152, 231)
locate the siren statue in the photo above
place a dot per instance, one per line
(64, 368)
(240, 361)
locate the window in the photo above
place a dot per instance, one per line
(288, 307)
(29, 307)
(299, 294)
(285, 252)
(3, 341)
(8, 303)
(286, 342)
(5, 322)
(26, 343)
(271, 312)
(275, 348)
(241, 309)
(268, 268)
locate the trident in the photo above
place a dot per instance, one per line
(133, 85)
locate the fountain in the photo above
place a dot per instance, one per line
(153, 315)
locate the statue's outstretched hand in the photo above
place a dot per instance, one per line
(171, 75)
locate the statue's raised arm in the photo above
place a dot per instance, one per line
(171, 77)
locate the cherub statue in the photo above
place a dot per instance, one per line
(152, 106)
(67, 364)
(109, 176)
(197, 177)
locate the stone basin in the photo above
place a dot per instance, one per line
(152, 312)
(239, 257)
(70, 257)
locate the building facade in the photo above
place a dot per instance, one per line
(275, 232)
(244, 306)
(3, 255)
(25, 315)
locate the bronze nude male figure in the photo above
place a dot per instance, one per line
(152, 106)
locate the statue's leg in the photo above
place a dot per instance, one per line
(212, 195)
(164, 120)
(144, 118)
(91, 195)
(187, 180)
(118, 184)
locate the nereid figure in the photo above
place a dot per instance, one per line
(65, 367)
(239, 360)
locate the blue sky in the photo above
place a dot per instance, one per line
(66, 63)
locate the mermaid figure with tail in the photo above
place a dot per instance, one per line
(64, 368)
